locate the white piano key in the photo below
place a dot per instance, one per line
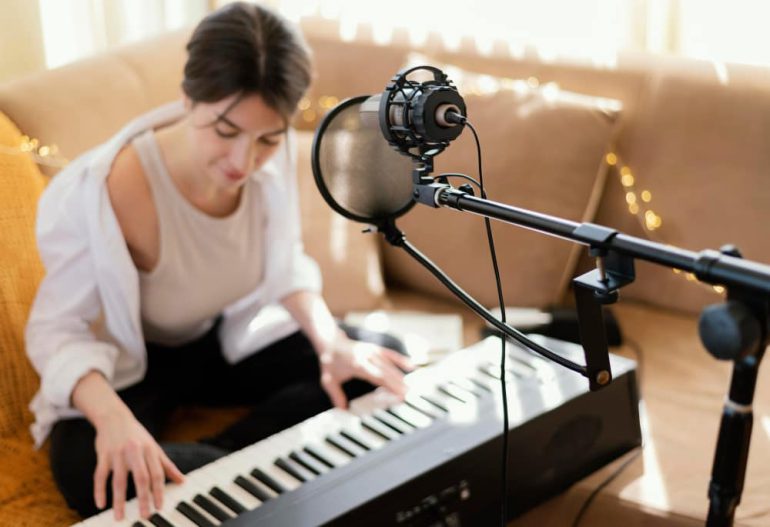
(270, 452)
(411, 415)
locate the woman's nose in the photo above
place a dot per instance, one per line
(243, 153)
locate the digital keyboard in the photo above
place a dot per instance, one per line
(431, 460)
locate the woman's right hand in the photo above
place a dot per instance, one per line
(123, 447)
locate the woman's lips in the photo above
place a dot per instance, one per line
(234, 175)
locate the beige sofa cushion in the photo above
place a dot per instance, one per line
(542, 150)
(700, 148)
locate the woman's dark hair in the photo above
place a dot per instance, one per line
(243, 48)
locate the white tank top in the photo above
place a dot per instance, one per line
(205, 263)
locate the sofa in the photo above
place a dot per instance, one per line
(668, 149)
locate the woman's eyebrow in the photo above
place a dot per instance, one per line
(227, 121)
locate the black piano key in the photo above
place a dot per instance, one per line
(484, 383)
(423, 407)
(193, 515)
(356, 438)
(451, 391)
(432, 400)
(392, 422)
(400, 417)
(137, 524)
(319, 456)
(251, 488)
(307, 462)
(159, 521)
(490, 371)
(290, 469)
(468, 386)
(266, 479)
(341, 444)
(212, 508)
(228, 501)
(378, 428)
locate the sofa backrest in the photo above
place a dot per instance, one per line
(691, 132)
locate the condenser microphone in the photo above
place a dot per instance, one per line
(366, 148)
(417, 118)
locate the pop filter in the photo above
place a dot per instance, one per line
(357, 172)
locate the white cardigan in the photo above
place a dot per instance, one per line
(86, 315)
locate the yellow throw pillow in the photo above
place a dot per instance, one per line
(20, 272)
(542, 150)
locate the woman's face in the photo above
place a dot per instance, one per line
(233, 137)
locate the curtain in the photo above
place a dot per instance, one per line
(73, 29)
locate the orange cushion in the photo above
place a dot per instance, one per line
(20, 273)
(27, 492)
(542, 150)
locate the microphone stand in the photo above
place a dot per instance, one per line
(737, 330)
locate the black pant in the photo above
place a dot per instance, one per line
(280, 382)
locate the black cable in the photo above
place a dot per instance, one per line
(603, 484)
(501, 300)
(465, 177)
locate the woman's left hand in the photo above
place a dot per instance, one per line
(344, 359)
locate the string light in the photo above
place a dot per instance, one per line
(640, 205)
(47, 155)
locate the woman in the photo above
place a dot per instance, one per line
(175, 274)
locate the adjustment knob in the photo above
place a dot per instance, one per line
(729, 331)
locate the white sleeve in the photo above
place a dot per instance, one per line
(59, 341)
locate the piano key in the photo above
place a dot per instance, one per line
(210, 506)
(486, 382)
(240, 495)
(356, 439)
(176, 518)
(320, 456)
(392, 422)
(336, 457)
(468, 386)
(342, 444)
(137, 524)
(292, 469)
(452, 405)
(228, 501)
(380, 429)
(159, 521)
(192, 514)
(454, 392)
(252, 488)
(271, 448)
(307, 461)
(261, 476)
(435, 401)
(410, 415)
(422, 406)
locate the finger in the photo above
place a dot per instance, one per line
(138, 468)
(390, 377)
(118, 486)
(100, 481)
(170, 468)
(334, 390)
(157, 477)
(402, 361)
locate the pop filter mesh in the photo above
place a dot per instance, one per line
(358, 173)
